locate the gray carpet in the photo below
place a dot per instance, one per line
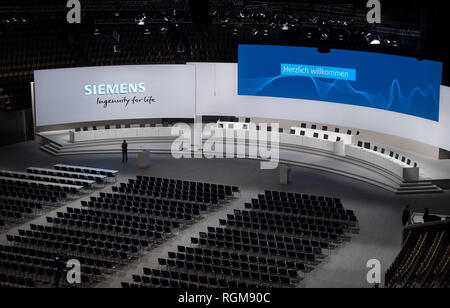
(378, 212)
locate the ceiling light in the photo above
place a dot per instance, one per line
(141, 20)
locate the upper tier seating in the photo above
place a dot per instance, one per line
(35, 46)
(424, 260)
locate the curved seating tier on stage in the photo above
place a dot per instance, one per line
(335, 143)
(121, 133)
(333, 152)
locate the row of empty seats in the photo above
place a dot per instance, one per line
(387, 152)
(24, 49)
(253, 248)
(34, 45)
(424, 260)
(105, 233)
(178, 189)
(248, 124)
(119, 126)
(24, 195)
(89, 170)
(322, 140)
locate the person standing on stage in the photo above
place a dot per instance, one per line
(124, 152)
(406, 217)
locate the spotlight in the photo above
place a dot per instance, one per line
(285, 27)
(96, 32)
(147, 32)
(271, 24)
(163, 30)
(374, 40)
(266, 32)
(141, 20)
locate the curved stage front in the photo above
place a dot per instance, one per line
(299, 154)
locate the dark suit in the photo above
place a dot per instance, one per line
(124, 152)
(406, 216)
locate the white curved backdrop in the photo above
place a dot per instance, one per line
(217, 85)
(90, 94)
(67, 96)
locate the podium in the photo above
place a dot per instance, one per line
(144, 159)
(284, 174)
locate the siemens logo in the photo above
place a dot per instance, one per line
(112, 89)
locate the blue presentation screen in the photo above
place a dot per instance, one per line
(387, 82)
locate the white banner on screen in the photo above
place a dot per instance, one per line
(108, 93)
(217, 85)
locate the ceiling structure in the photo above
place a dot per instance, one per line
(412, 28)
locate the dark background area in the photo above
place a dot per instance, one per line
(34, 34)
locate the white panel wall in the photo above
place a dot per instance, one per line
(61, 98)
(217, 95)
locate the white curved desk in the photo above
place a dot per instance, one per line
(246, 135)
(122, 133)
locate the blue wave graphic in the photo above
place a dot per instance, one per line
(257, 85)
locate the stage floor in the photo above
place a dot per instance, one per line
(430, 169)
(379, 213)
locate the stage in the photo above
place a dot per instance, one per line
(433, 177)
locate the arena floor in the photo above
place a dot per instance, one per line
(378, 211)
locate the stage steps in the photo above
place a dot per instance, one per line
(418, 188)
